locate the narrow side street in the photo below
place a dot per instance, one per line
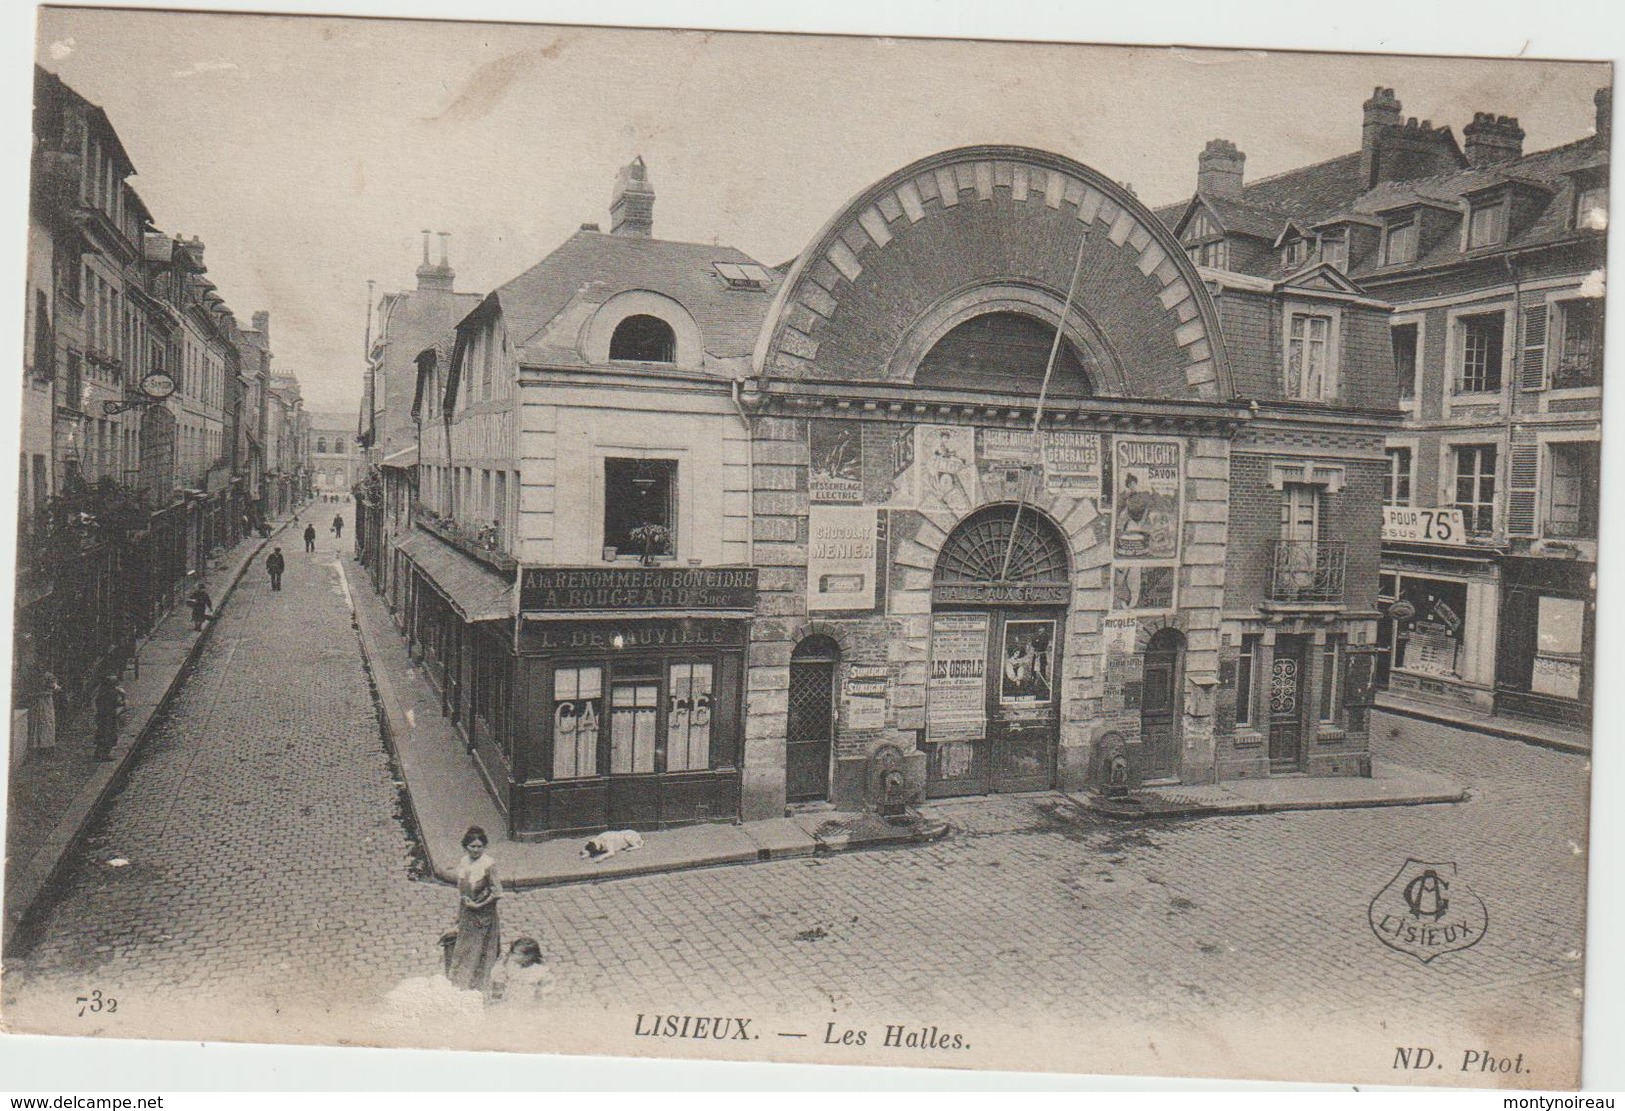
(258, 825)
(267, 864)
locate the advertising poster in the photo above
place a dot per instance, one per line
(1147, 477)
(835, 472)
(1072, 464)
(1027, 676)
(1120, 634)
(1007, 463)
(1143, 588)
(956, 690)
(945, 462)
(904, 489)
(841, 557)
(867, 686)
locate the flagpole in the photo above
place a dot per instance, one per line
(1043, 395)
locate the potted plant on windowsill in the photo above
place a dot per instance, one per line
(651, 540)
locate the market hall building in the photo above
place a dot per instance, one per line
(756, 534)
(1180, 563)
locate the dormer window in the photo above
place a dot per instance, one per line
(1486, 225)
(1205, 243)
(1399, 245)
(1311, 353)
(1215, 255)
(643, 339)
(1295, 253)
(1334, 249)
(1591, 207)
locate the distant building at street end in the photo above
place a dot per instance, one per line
(336, 463)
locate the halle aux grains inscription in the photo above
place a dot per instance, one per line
(578, 590)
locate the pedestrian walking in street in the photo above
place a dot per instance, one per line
(275, 564)
(338, 526)
(202, 606)
(310, 538)
(479, 941)
(109, 709)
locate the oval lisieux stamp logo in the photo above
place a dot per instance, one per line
(1428, 910)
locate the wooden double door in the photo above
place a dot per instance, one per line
(1006, 734)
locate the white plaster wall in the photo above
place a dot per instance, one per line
(566, 434)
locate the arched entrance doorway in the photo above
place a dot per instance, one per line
(810, 736)
(1160, 706)
(998, 613)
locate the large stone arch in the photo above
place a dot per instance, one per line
(982, 222)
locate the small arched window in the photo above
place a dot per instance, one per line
(338, 446)
(643, 339)
(321, 445)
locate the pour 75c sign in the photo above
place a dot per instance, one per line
(1425, 526)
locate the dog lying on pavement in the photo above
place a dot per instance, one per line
(606, 845)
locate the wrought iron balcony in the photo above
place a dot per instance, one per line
(1308, 572)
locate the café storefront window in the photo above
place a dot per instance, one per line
(1428, 630)
(631, 721)
(1544, 659)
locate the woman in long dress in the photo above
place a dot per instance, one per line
(479, 944)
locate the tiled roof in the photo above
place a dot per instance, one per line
(1309, 191)
(591, 267)
(1319, 193)
(1246, 218)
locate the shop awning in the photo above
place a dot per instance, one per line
(474, 590)
(406, 457)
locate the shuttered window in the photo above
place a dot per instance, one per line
(1523, 475)
(1532, 374)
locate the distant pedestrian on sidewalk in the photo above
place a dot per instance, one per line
(310, 538)
(479, 941)
(338, 526)
(202, 606)
(275, 565)
(109, 708)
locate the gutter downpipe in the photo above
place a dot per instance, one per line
(737, 385)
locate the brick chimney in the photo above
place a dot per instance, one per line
(262, 325)
(435, 275)
(1396, 150)
(632, 205)
(1491, 139)
(1219, 169)
(1604, 100)
(1382, 110)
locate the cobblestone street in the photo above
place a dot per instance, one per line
(267, 867)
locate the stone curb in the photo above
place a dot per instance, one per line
(24, 887)
(760, 844)
(393, 720)
(1405, 708)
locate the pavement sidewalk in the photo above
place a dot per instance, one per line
(36, 851)
(447, 793)
(1389, 785)
(1548, 734)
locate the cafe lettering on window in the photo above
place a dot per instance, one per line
(575, 590)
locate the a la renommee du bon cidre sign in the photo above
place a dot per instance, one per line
(579, 589)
